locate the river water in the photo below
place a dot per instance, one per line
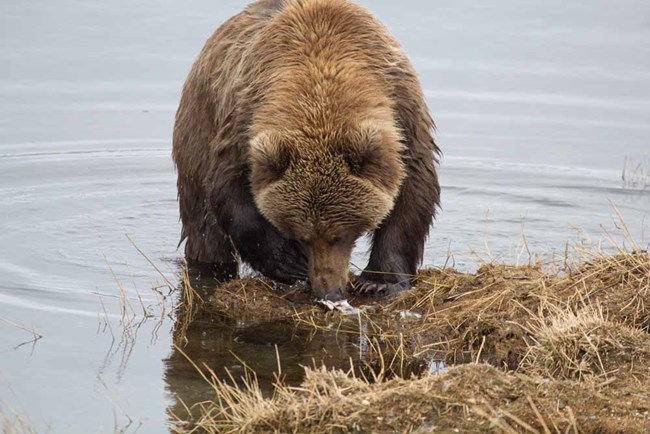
(538, 103)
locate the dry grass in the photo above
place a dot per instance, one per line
(575, 345)
(636, 171)
(466, 398)
(11, 423)
(556, 347)
(187, 308)
(258, 300)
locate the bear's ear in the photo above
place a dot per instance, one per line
(269, 156)
(362, 150)
(372, 147)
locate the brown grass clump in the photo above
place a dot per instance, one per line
(620, 283)
(574, 345)
(466, 398)
(533, 348)
(470, 317)
(258, 300)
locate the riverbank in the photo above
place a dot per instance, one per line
(562, 346)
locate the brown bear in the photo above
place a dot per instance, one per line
(301, 127)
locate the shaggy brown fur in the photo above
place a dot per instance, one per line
(302, 126)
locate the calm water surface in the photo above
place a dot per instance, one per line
(537, 104)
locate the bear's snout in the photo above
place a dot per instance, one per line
(328, 269)
(328, 287)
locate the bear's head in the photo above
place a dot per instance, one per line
(327, 190)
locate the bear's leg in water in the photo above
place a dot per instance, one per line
(257, 241)
(398, 244)
(206, 245)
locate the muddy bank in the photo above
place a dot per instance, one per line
(534, 348)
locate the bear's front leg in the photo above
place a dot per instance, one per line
(398, 244)
(262, 246)
(393, 262)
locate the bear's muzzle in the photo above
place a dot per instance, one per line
(328, 269)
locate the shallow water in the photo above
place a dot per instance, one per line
(537, 105)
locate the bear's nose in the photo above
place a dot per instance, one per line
(327, 289)
(334, 295)
(332, 292)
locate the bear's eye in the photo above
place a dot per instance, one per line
(334, 239)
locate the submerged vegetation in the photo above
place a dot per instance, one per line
(562, 346)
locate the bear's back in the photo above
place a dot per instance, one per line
(296, 64)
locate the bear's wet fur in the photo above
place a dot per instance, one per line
(301, 127)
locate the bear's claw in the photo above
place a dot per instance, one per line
(364, 287)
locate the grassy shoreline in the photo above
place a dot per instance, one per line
(531, 348)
